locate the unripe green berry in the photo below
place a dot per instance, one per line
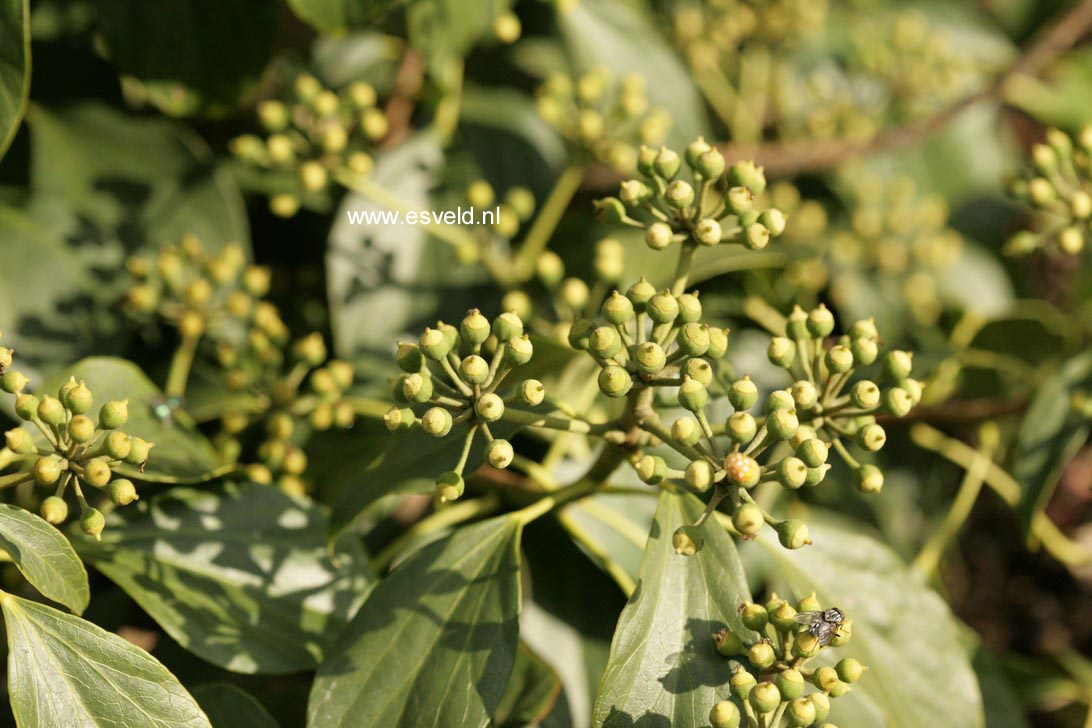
(113, 415)
(449, 486)
(614, 381)
(791, 684)
(781, 352)
(489, 407)
(822, 705)
(761, 654)
(436, 421)
(686, 430)
(474, 369)
(913, 388)
(839, 359)
(662, 308)
(849, 670)
(633, 192)
(550, 269)
(801, 712)
(865, 395)
(97, 472)
(19, 441)
(693, 395)
(26, 406)
(755, 616)
(78, 399)
(742, 683)
(605, 342)
(579, 335)
(739, 200)
(617, 309)
(813, 452)
(693, 339)
(409, 357)
(667, 163)
(609, 210)
(805, 394)
(727, 642)
(724, 714)
(679, 194)
(506, 326)
(500, 454)
(803, 433)
(122, 492)
(864, 329)
(659, 236)
(865, 351)
(743, 394)
(796, 325)
(782, 423)
(897, 402)
(51, 411)
(817, 474)
(54, 510)
(13, 381)
(650, 358)
(640, 293)
(532, 392)
(689, 308)
(820, 322)
(81, 428)
(519, 350)
(774, 221)
(687, 540)
(47, 469)
(399, 419)
(434, 344)
(747, 174)
(651, 469)
(710, 164)
(756, 236)
(474, 328)
(699, 370)
(765, 697)
(792, 472)
(92, 522)
(417, 387)
(748, 520)
(793, 534)
(139, 451)
(707, 231)
(897, 364)
(871, 437)
(741, 427)
(695, 149)
(699, 475)
(869, 479)
(718, 343)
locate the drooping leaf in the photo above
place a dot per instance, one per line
(919, 672)
(44, 557)
(1050, 435)
(531, 693)
(14, 67)
(239, 575)
(392, 280)
(664, 668)
(64, 671)
(229, 706)
(623, 36)
(189, 56)
(181, 453)
(333, 16)
(436, 641)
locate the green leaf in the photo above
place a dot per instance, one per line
(181, 453)
(435, 643)
(189, 56)
(44, 557)
(446, 30)
(64, 671)
(240, 576)
(14, 67)
(1049, 437)
(919, 673)
(147, 181)
(623, 36)
(531, 694)
(664, 668)
(228, 706)
(612, 529)
(387, 281)
(333, 16)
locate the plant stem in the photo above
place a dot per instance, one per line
(549, 215)
(930, 438)
(181, 363)
(451, 515)
(590, 482)
(447, 110)
(373, 408)
(682, 268)
(15, 479)
(533, 419)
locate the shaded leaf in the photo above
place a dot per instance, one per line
(612, 529)
(64, 671)
(531, 693)
(240, 576)
(14, 67)
(1050, 435)
(664, 668)
(228, 706)
(436, 641)
(919, 673)
(446, 30)
(181, 453)
(44, 557)
(332, 16)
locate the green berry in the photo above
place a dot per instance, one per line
(793, 534)
(743, 394)
(667, 163)
(81, 428)
(659, 236)
(693, 339)
(849, 670)
(820, 322)
(506, 326)
(871, 437)
(686, 430)
(609, 210)
(724, 714)
(774, 221)
(650, 358)
(718, 343)
(897, 402)
(51, 411)
(434, 344)
(693, 395)
(739, 200)
(500, 454)
(781, 352)
(687, 540)
(474, 370)
(741, 427)
(817, 474)
(749, 175)
(640, 293)
(399, 419)
(765, 697)
(748, 520)
(617, 309)
(800, 713)
(605, 342)
(869, 479)
(679, 194)
(449, 486)
(822, 705)
(662, 308)
(54, 510)
(755, 616)
(782, 424)
(689, 308)
(122, 492)
(489, 407)
(78, 399)
(791, 684)
(756, 236)
(865, 395)
(26, 406)
(139, 451)
(580, 332)
(897, 364)
(532, 392)
(117, 445)
(782, 617)
(92, 522)
(13, 382)
(839, 359)
(710, 164)
(865, 351)
(699, 370)
(614, 381)
(96, 472)
(742, 683)
(475, 328)
(699, 475)
(805, 394)
(708, 231)
(113, 415)
(813, 452)
(19, 441)
(436, 421)
(417, 387)
(651, 469)
(792, 472)
(519, 350)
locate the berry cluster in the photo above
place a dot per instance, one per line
(779, 658)
(717, 204)
(1058, 187)
(73, 449)
(311, 135)
(456, 372)
(601, 116)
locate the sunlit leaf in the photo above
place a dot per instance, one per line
(44, 557)
(14, 67)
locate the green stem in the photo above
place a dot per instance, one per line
(841, 448)
(965, 456)
(373, 408)
(15, 479)
(447, 110)
(454, 514)
(682, 268)
(776, 719)
(549, 215)
(590, 482)
(181, 363)
(533, 419)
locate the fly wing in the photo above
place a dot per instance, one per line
(808, 618)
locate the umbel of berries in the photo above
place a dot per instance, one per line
(65, 447)
(458, 378)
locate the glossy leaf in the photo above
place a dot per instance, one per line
(664, 668)
(228, 706)
(332, 16)
(14, 67)
(239, 575)
(44, 557)
(189, 56)
(1050, 435)
(531, 694)
(919, 671)
(64, 671)
(436, 641)
(181, 453)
